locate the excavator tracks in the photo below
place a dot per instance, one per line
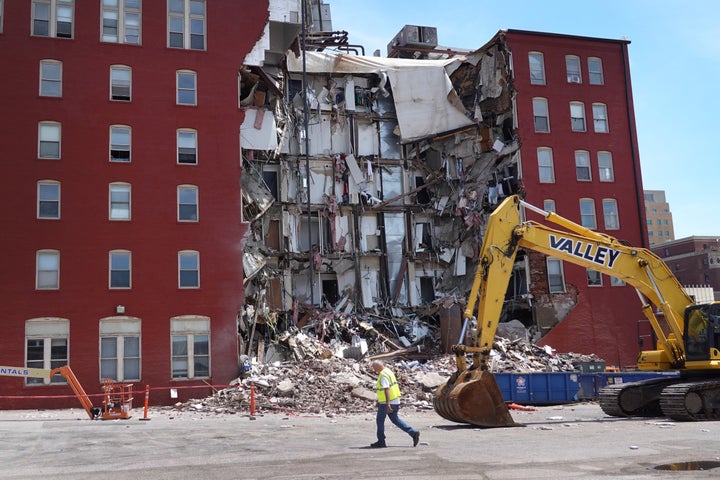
(692, 401)
(635, 399)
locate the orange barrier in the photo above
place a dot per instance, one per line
(147, 400)
(515, 406)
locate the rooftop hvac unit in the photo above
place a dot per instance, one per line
(416, 36)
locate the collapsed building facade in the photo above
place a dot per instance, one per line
(379, 211)
(367, 183)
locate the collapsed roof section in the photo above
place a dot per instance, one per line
(369, 188)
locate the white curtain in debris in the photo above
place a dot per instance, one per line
(425, 102)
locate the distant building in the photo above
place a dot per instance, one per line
(659, 217)
(693, 260)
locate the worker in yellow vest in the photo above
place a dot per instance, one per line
(388, 403)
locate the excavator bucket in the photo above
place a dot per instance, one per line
(475, 398)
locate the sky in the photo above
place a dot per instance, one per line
(674, 64)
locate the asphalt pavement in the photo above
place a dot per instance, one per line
(556, 442)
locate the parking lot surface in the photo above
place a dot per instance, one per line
(557, 442)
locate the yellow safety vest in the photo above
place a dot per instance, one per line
(394, 387)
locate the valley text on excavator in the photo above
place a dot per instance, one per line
(688, 335)
(117, 397)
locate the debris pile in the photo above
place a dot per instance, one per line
(320, 380)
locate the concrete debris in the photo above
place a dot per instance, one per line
(316, 379)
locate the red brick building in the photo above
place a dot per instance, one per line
(694, 260)
(121, 204)
(580, 158)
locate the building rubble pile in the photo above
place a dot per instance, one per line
(317, 379)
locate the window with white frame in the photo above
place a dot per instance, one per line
(187, 198)
(2, 15)
(120, 348)
(537, 68)
(119, 143)
(46, 347)
(190, 337)
(546, 170)
(572, 66)
(600, 120)
(582, 166)
(47, 275)
(53, 18)
(188, 269)
(120, 263)
(577, 117)
(49, 140)
(605, 167)
(541, 115)
(594, 278)
(50, 78)
(186, 87)
(120, 83)
(48, 195)
(556, 277)
(595, 71)
(549, 205)
(187, 151)
(119, 201)
(587, 213)
(610, 213)
(120, 22)
(186, 24)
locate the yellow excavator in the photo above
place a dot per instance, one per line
(688, 334)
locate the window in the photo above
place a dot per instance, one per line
(1, 15)
(48, 270)
(658, 221)
(617, 282)
(582, 166)
(549, 205)
(48, 195)
(186, 24)
(594, 278)
(46, 343)
(556, 278)
(187, 197)
(188, 269)
(50, 78)
(587, 213)
(659, 233)
(537, 68)
(577, 116)
(600, 120)
(187, 147)
(649, 222)
(119, 201)
(540, 112)
(120, 21)
(190, 346)
(120, 269)
(120, 348)
(595, 71)
(605, 167)
(120, 83)
(52, 18)
(546, 170)
(49, 140)
(186, 88)
(119, 143)
(572, 65)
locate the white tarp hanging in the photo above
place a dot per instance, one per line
(423, 108)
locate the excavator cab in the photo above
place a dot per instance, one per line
(702, 331)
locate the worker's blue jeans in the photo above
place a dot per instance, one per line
(380, 420)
